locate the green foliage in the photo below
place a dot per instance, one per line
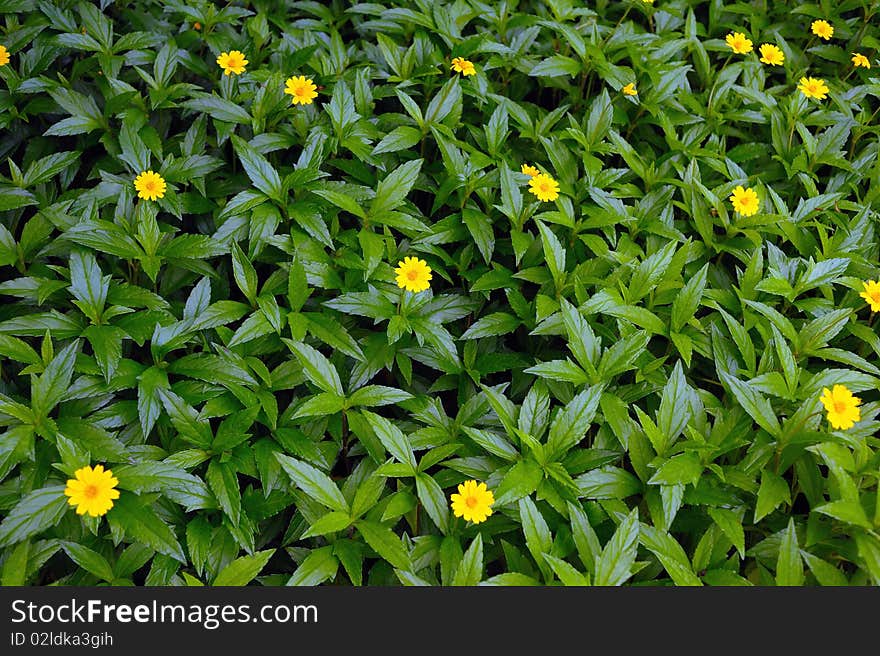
(633, 369)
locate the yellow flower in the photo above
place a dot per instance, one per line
(149, 185)
(544, 187)
(232, 62)
(739, 43)
(463, 66)
(872, 294)
(473, 502)
(770, 54)
(822, 29)
(413, 274)
(530, 170)
(302, 90)
(745, 200)
(813, 87)
(860, 60)
(648, 2)
(629, 89)
(842, 406)
(197, 26)
(4, 56)
(92, 491)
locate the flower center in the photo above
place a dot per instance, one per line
(150, 185)
(839, 407)
(300, 91)
(544, 187)
(90, 491)
(412, 274)
(470, 502)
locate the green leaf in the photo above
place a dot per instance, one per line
(400, 138)
(614, 566)
(223, 482)
(434, 501)
(670, 553)
(555, 66)
(175, 483)
(135, 518)
(789, 566)
(682, 469)
(848, 511)
(608, 483)
(313, 482)
(242, 571)
(14, 571)
(330, 523)
(245, 274)
(219, 108)
(54, 382)
(571, 424)
(13, 198)
(585, 538)
(376, 395)
(521, 480)
(316, 367)
(754, 403)
(730, 523)
(34, 513)
(149, 401)
(826, 573)
(258, 169)
(325, 403)
(470, 570)
(319, 566)
(554, 253)
(566, 572)
(89, 560)
(494, 444)
(385, 543)
(772, 492)
(491, 325)
(392, 438)
(185, 419)
(393, 190)
(688, 300)
(536, 531)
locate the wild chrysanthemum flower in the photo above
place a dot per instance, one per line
(822, 29)
(92, 491)
(302, 90)
(813, 87)
(544, 187)
(872, 294)
(473, 502)
(232, 62)
(463, 66)
(860, 60)
(745, 200)
(530, 170)
(4, 56)
(842, 406)
(413, 274)
(149, 185)
(197, 26)
(739, 43)
(771, 54)
(629, 89)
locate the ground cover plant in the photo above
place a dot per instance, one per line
(438, 292)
